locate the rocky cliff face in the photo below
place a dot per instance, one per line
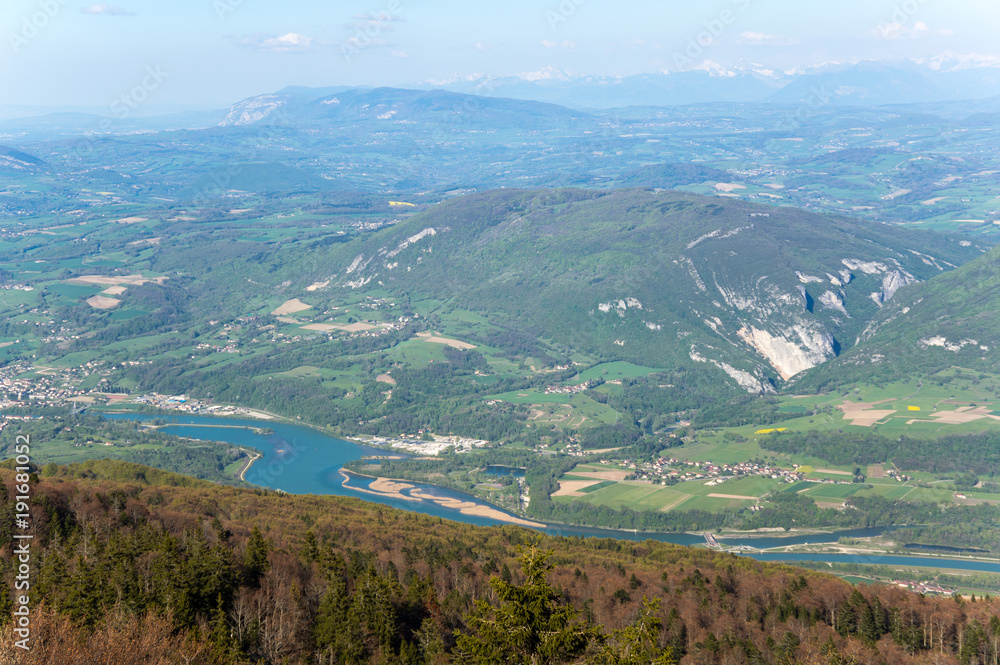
(792, 319)
(660, 279)
(252, 110)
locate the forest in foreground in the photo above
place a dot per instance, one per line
(131, 565)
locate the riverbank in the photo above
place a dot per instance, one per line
(393, 489)
(874, 549)
(380, 487)
(247, 465)
(305, 460)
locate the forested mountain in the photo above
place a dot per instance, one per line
(18, 161)
(948, 321)
(392, 106)
(660, 278)
(131, 570)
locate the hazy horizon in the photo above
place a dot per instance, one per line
(206, 54)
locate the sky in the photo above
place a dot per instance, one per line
(157, 55)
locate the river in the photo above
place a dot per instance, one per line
(301, 460)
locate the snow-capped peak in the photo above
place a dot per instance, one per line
(949, 61)
(715, 69)
(548, 73)
(747, 66)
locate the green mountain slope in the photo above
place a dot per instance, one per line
(662, 279)
(135, 572)
(948, 321)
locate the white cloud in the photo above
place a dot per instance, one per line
(480, 46)
(291, 42)
(399, 54)
(764, 39)
(108, 10)
(899, 31)
(551, 44)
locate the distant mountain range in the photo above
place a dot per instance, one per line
(339, 106)
(944, 79)
(868, 83)
(530, 97)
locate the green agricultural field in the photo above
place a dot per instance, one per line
(692, 495)
(307, 372)
(417, 353)
(900, 491)
(74, 291)
(581, 412)
(599, 486)
(597, 466)
(638, 496)
(14, 298)
(827, 491)
(531, 396)
(720, 452)
(613, 371)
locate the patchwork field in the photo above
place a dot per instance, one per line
(291, 307)
(604, 486)
(437, 339)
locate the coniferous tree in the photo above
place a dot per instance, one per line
(638, 644)
(255, 563)
(531, 625)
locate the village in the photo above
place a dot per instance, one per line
(49, 386)
(924, 587)
(185, 404)
(430, 445)
(668, 470)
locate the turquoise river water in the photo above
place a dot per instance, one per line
(301, 460)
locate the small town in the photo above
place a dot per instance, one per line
(927, 587)
(667, 470)
(418, 446)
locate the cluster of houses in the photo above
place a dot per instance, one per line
(567, 390)
(185, 404)
(924, 587)
(418, 446)
(892, 473)
(662, 469)
(229, 348)
(49, 386)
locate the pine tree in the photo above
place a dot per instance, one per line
(637, 644)
(255, 563)
(531, 625)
